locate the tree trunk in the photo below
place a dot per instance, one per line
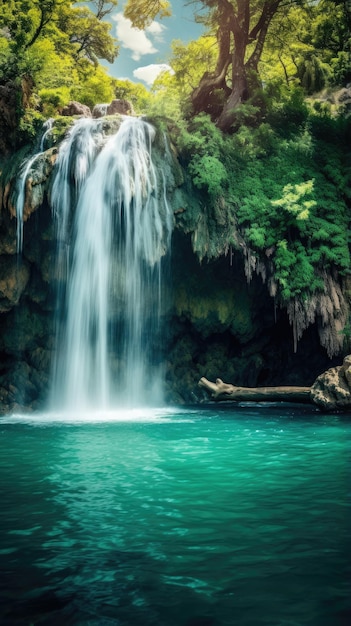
(234, 24)
(224, 391)
(238, 95)
(240, 29)
(204, 97)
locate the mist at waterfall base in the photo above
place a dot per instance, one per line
(113, 224)
(215, 516)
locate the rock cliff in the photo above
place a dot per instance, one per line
(216, 323)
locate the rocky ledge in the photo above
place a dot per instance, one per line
(332, 390)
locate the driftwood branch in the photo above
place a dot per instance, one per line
(224, 391)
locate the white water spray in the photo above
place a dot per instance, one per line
(20, 201)
(21, 185)
(47, 127)
(121, 231)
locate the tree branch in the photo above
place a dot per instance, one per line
(225, 391)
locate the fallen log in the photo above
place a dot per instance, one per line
(225, 391)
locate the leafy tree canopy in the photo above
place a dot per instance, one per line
(57, 44)
(256, 42)
(142, 12)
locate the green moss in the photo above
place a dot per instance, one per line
(30, 125)
(60, 127)
(216, 310)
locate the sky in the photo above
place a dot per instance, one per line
(143, 54)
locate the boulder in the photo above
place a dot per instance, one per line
(76, 108)
(123, 107)
(332, 390)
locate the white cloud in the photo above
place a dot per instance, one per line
(149, 73)
(136, 40)
(156, 29)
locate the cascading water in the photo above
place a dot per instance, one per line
(21, 185)
(21, 194)
(120, 234)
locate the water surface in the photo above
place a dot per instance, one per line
(212, 517)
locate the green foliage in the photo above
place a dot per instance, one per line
(208, 173)
(96, 87)
(164, 100)
(57, 46)
(53, 99)
(60, 128)
(293, 201)
(313, 73)
(280, 185)
(289, 115)
(30, 124)
(201, 137)
(310, 46)
(136, 93)
(171, 90)
(201, 145)
(142, 12)
(284, 195)
(341, 67)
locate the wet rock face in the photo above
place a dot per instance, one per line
(215, 324)
(26, 294)
(8, 116)
(332, 389)
(14, 96)
(14, 278)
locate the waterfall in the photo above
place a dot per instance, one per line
(21, 184)
(20, 200)
(47, 127)
(115, 249)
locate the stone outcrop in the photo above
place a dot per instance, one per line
(120, 106)
(36, 185)
(14, 277)
(15, 96)
(8, 114)
(76, 108)
(332, 389)
(116, 107)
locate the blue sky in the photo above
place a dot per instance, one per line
(143, 54)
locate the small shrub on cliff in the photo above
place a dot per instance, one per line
(52, 100)
(208, 173)
(201, 145)
(29, 126)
